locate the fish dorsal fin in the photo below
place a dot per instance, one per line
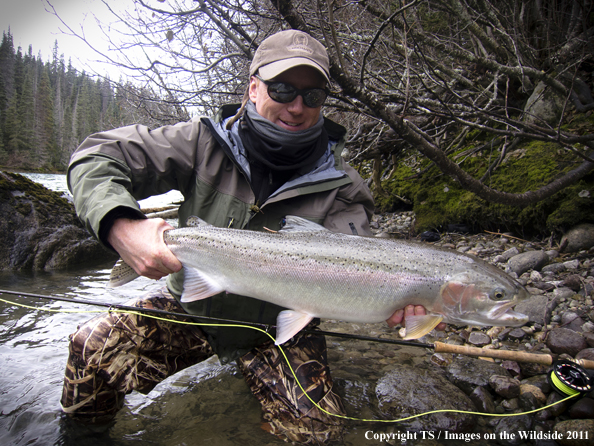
(293, 223)
(194, 221)
(419, 326)
(121, 274)
(289, 323)
(198, 286)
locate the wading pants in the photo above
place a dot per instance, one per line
(115, 353)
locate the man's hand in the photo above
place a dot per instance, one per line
(399, 317)
(140, 244)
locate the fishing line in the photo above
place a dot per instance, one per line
(143, 312)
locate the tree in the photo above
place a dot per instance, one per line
(416, 74)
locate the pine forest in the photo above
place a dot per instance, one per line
(48, 108)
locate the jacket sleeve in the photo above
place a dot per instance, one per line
(116, 168)
(352, 208)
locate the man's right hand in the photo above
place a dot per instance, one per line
(140, 244)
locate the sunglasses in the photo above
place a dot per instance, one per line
(285, 93)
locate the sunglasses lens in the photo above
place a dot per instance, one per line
(281, 92)
(314, 98)
(284, 93)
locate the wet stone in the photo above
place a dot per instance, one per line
(580, 429)
(582, 409)
(505, 386)
(479, 339)
(521, 263)
(564, 340)
(467, 373)
(513, 424)
(482, 400)
(408, 390)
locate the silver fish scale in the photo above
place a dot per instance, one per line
(362, 279)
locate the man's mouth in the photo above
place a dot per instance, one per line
(290, 124)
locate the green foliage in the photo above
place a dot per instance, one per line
(438, 201)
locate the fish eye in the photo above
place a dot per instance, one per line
(498, 294)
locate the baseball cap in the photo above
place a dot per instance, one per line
(287, 49)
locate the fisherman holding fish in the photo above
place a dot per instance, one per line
(246, 168)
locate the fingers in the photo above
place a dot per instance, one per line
(399, 316)
(140, 244)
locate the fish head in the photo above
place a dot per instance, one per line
(483, 295)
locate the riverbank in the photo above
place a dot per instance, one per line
(405, 381)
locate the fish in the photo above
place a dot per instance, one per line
(316, 273)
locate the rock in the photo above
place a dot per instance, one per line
(531, 397)
(39, 229)
(586, 354)
(537, 309)
(408, 390)
(505, 386)
(573, 282)
(575, 432)
(582, 409)
(579, 238)
(479, 339)
(544, 104)
(556, 408)
(482, 400)
(513, 425)
(517, 334)
(572, 320)
(554, 268)
(510, 253)
(468, 373)
(521, 263)
(564, 340)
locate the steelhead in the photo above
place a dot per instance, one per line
(318, 273)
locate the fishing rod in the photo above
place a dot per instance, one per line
(569, 378)
(438, 347)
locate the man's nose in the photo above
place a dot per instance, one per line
(296, 105)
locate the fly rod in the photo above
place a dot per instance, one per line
(438, 347)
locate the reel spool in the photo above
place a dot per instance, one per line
(569, 378)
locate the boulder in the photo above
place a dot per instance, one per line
(578, 238)
(39, 229)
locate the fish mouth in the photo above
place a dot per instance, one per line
(504, 313)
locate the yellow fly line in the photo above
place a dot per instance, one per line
(572, 394)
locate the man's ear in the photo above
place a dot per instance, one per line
(253, 89)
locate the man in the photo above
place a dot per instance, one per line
(277, 155)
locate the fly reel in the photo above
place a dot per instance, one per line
(569, 378)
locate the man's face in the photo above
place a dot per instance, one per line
(293, 115)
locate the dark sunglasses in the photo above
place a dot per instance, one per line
(285, 93)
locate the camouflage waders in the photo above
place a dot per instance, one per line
(115, 353)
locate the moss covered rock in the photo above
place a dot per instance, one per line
(39, 229)
(438, 201)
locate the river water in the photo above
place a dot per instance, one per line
(207, 403)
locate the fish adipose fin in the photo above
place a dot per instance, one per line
(198, 286)
(121, 274)
(289, 323)
(291, 223)
(419, 326)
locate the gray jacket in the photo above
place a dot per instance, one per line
(208, 165)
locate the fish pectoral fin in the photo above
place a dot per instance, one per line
(198, 286)
(419, 326)
(121, 273)
(289, 323)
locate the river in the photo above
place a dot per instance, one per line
(207, 403)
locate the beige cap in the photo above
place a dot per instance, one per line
(288, 49)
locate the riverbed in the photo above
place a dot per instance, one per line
(207, 403)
